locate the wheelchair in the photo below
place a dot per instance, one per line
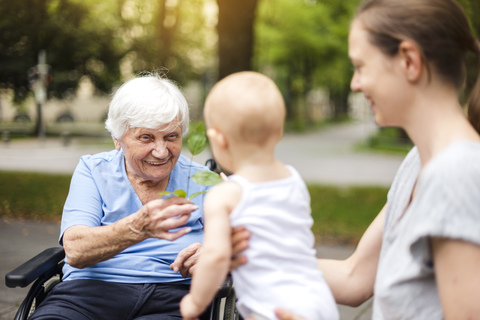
(45, 271)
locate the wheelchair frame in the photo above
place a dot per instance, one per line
(45, 271)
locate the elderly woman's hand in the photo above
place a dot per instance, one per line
(186, 260)
(158, 217)
(240, 237)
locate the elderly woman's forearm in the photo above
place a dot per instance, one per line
(85, 246)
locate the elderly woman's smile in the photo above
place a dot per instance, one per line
(151, 154)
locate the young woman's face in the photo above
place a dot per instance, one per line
(151, 154)
(377, 76)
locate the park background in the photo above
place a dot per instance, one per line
(61, 61)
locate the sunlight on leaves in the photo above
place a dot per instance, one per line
(196, 194)
(197, 140)
(179, 193)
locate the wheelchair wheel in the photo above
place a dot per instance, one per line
(47, 287)
(231, 312)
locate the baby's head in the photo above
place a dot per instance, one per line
(247, 108)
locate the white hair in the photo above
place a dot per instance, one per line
(147, 102)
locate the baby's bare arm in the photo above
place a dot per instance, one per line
(214, 261)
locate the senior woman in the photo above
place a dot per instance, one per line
(128, 252)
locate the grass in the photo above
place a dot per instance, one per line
(389, 140)
(32, 195)
(340, 215)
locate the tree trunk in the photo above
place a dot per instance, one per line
(235, 35)
(166, 23)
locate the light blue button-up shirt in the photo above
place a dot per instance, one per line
(101, 194)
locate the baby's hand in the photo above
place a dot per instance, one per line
(188, 308)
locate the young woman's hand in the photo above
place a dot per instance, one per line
(283, 314)
(240, 238)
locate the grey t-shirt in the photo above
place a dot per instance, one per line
(446, 204)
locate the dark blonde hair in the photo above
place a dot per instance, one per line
(439, 29)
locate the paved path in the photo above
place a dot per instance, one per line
(327, 156)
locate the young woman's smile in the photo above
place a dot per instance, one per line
(377, 76)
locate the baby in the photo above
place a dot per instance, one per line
(244, 114)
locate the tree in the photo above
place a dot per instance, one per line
(305, 43)
(171, 36)
(235, 35)
(472, 9)
(74, 45)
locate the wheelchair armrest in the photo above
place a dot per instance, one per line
(225, 288)
(43, 263)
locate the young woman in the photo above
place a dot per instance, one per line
(421, 255)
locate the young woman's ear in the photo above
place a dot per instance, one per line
(412, 62)
(218, 138)
(117, 144)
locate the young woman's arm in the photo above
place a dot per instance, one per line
(352, 280)
(457, 272)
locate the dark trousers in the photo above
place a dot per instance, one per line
(95, 300)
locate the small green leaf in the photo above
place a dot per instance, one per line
(206, 178)
(197, 140)
(179, 193)
(196, 194)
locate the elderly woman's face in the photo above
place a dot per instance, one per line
(151, 154)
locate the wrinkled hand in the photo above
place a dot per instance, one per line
(186, 260)
(240, 238)
(156, 218)
(283, 314)
(189, 309)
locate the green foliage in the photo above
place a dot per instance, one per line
(173, 36)
(340, 214)
(198, 139)
(391, 140)
(179, 193)
(206, 178)
(32, 195)
(196, 143)
(93, 38)
(76, 42)
(304, 45)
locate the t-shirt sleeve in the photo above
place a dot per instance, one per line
(84, 203)
(447, 204)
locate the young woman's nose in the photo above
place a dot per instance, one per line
(355, 83)
(160, 151)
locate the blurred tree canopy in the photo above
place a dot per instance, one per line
(99, 39)
(76, 40)
(175, 36)
(304, 42)
(301, 44)
(472, 9)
